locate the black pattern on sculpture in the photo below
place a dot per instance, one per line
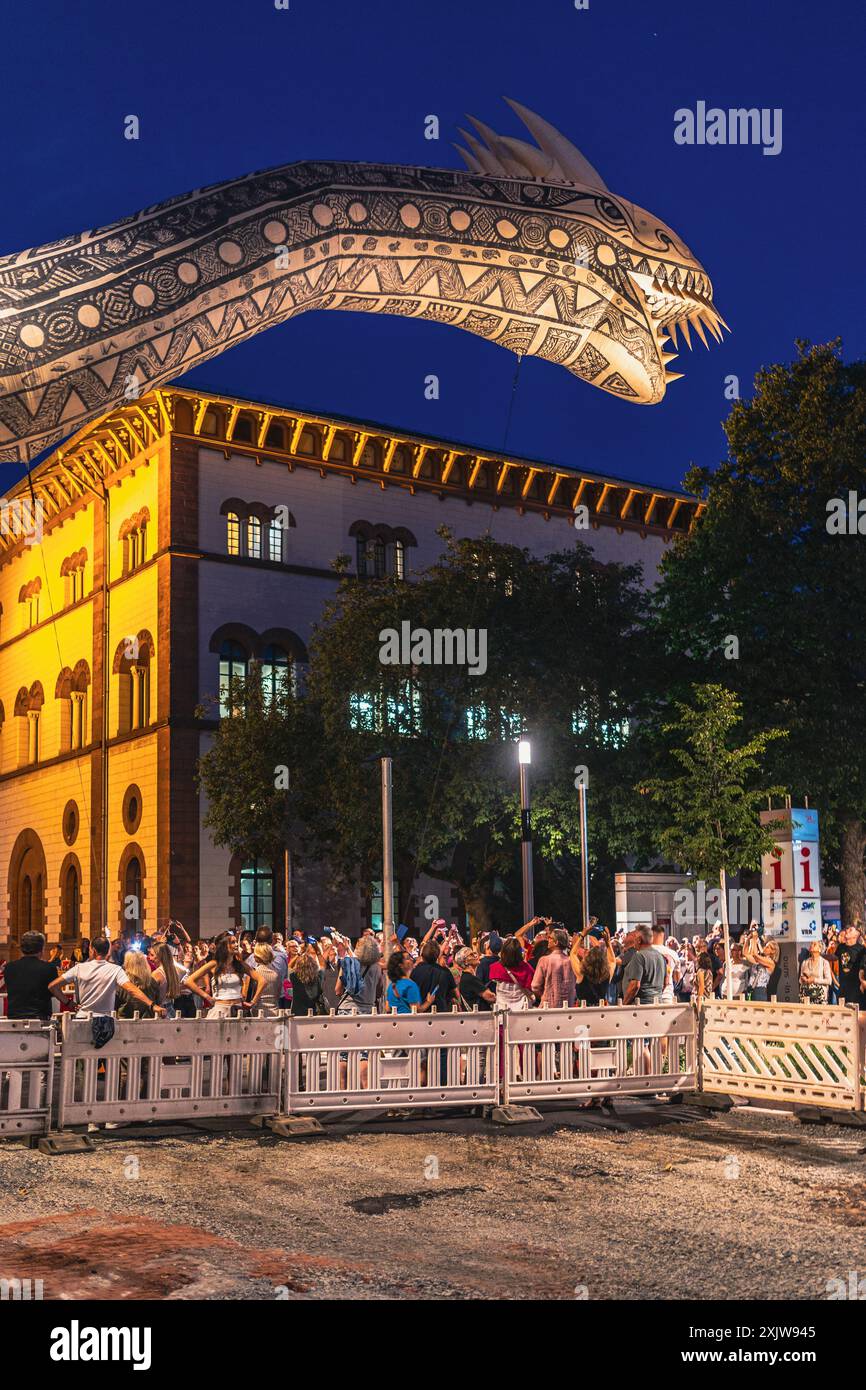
(528, 249)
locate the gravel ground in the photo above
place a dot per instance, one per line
(658, 1202)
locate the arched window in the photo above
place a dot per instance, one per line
(380, 558)
(277, 672)
(71, 905)
(257, 895)
(233, 666)
(233, 533)
(132, 898)
(275, 540)
(361, 561)
(399, 560)
(254, 537)
(132, 668)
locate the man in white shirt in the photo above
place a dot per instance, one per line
(97, 981)
(672, 965)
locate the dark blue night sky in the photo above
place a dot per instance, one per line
(224, 88)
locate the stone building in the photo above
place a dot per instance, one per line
(154, 555)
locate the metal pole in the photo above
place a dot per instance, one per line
(287, 892)
(106, 690)
(526, 844)
(387, 861)
(584, 857)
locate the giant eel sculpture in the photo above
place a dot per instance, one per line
(528, 248)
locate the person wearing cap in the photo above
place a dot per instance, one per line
(492, 945)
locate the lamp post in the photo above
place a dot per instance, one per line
(524, 758)
(387, 861)
(584, 857)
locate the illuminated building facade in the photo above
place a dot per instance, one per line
(178, 538)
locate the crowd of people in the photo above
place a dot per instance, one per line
(539, 965)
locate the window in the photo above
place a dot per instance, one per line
(243, 431)
(71, 905)
(380, 550)
(254, 538)
(257, 895)
(131, 911)
(477, 720)
(233, 666)
(233, 533)
(399, 711)
(28, 603)
(403, 710)
(364, 712)
(133, 534)
(275, 437)
(307, 442)
(277, 673)
(275, 541)
(132, 668)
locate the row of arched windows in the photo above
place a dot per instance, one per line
(133, 536)
(380, 551)
(278, 654)
(256, 530)
(131, 666)
(28, 882)
(71, 691)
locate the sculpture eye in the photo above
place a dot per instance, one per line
(610, 210)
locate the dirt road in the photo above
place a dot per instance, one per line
(656, 1202)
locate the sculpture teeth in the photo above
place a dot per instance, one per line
(684, 325)
(695, 320)
(673, 376)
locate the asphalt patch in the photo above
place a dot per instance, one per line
(399, 1201)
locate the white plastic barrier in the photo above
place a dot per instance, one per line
(170, 1069)
(26, 1076)
(807, 1053)
(395, 1061)
(559, 1054)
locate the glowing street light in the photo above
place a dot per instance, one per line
(524, 758)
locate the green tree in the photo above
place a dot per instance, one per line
(562, 665)
(767, 592)
(709, 819)
(247, 772)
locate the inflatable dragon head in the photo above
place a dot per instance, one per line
(527, 248)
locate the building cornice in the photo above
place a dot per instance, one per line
(92, 459)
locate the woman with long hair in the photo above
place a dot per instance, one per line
(136, 967)
(307, 992)
(226, 974)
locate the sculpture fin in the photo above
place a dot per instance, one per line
(575, 167)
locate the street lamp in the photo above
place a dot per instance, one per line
(524, 757)
(387, 861)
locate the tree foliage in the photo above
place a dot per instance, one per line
(762, 567)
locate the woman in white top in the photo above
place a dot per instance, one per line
(816, 977)
(739, 970)
(225, 974)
